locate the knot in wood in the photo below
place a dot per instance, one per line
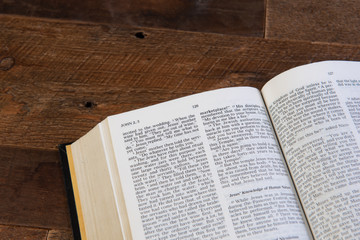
(7, 63)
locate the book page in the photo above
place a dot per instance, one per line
(93, 188)
(315, 110)
(206, 166)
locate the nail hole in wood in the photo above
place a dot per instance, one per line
(140, 35)
(89, 104)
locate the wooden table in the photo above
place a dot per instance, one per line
(66, 66)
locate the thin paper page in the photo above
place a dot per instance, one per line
(205, 166)
(315, 110)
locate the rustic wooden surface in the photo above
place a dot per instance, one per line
(65, 77)
(32, 192)
(15, 232)
(321, 20)
(242, 17)
(59, 78)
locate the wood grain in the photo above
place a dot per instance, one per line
(321, 20)
(68, 76)
(26, 233)
(22, 233)
(32, 190)
(242, 17)
(59, 235)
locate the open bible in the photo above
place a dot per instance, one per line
(232, 163)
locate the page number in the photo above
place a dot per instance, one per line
(330, 73)
(195, 106)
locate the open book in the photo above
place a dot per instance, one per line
(232, 163)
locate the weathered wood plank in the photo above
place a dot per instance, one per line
(59, 79)
(243, 17)
(59, 235)
(32, 190)
(26, 233)
(22, 233)
(321, 20)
